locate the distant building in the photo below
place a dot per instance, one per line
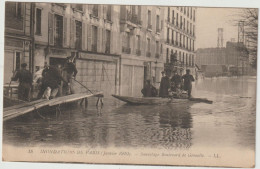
(180, 38)
(233, 59)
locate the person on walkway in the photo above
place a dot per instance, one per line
(164, 86)
(149, 90)
(70, 72)
(188, 78)
(25, 82)
(52, 81)
(176, 81)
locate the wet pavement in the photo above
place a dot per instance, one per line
(228, 122)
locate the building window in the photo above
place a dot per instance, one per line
(184, 41)
(167, 55)
(184, 10)
(126, 43)
(181, 22)
(94, 38)
(181, 9)
(58, 34)
(168, 35)
(157, 48)
(38, 21)
(190, 28)
(148, 45)
(176, 38)
(109, 11)
(173, 17)
(194, 15)
(138, 50)
(193, 45)
(19, 10)
(17, 60)
(188, 11)
(95, 11)
(78, 43)
(180, 40)
(186, 58)
(161, 48)
(177, 19)
(108, 37)
(179, 56)
(149, 20)
(191, 13)
(193, 30)
(173, 37)
(168, 18)
(157, 23)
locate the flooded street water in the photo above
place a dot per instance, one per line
(228, 122)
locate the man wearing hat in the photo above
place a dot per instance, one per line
(25, 82)
(188, 78)
(70, 72)
(176, 81)
(164, 86)
(149, 90)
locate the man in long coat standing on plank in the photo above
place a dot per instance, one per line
(164, 86)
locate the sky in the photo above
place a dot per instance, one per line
(208, 22)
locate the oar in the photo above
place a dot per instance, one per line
(84, 86)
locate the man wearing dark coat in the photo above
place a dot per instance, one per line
(52, 79)
(164, 86)
(25, 82)
(149, 90)
(70, 72)
(188, 78)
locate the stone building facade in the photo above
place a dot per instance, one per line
(18, 37)
(116, 47)
(180, 38)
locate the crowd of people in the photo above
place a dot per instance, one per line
(170, 87)
(51, 81)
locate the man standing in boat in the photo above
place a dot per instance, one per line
(188, 78)
(149, 90)
(70, 72)
(176, 81)
(164, 86)
(25, 82)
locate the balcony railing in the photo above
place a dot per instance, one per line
(157, 55)
(133, 18)
(94, 48)
(126, 50)
(148, 54)
(138, 52)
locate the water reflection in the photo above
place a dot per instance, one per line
(229, 121)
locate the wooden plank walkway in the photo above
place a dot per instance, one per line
(18, 110)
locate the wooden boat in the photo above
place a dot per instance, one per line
(159, 100)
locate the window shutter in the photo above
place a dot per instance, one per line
(72, 33)
(89, 33)
(65, 44)
(51, 29)
(84, 37)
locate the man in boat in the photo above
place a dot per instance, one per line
(25, 82)
(164, 85)
(149, 90)
(70, 72)
(52, 80)
(176, 81)
(188, 78)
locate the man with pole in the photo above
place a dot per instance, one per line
(70, 72)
